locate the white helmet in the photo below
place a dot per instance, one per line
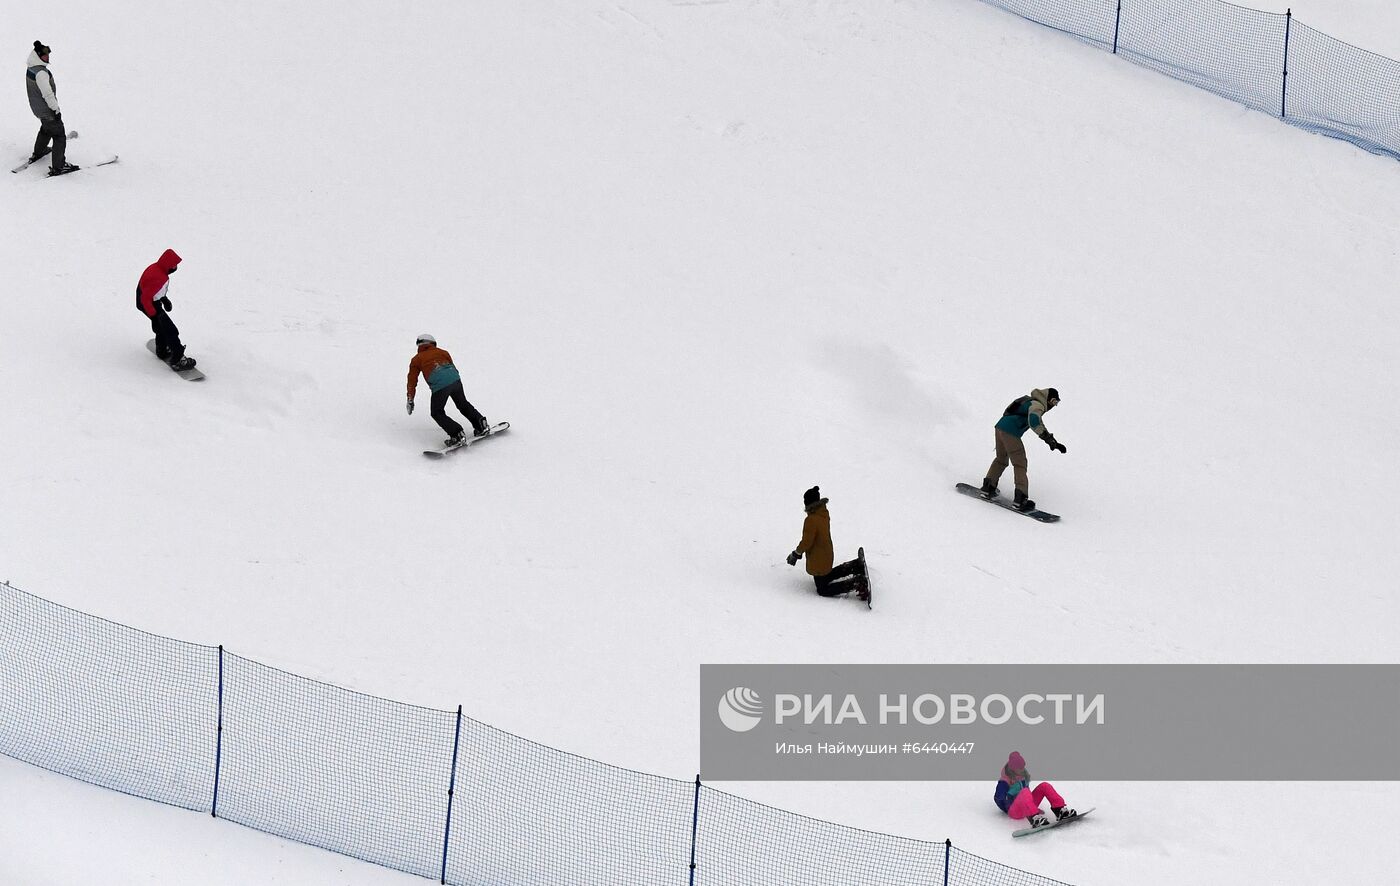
(426, 339)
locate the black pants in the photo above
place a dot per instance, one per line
(842, 579)
(168, 345)
(459, 399)
(51, 128)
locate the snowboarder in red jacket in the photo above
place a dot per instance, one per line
(153, 300)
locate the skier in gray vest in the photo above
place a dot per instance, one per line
(43, 101)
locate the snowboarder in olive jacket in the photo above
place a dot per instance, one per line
(1024, 414)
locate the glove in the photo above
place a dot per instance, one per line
(793, 558)
(1053, 443)
(165, 304)
(410, 405)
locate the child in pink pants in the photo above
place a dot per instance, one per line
(1018, 799)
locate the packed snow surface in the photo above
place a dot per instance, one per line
(702, 256)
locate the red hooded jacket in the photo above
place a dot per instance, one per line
(153, 282)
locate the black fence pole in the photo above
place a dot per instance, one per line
(947, 852)
(694, 827)
(1287, 32)
(451, 788)
(1117, 20)
(218, 737)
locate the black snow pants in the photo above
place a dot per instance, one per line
(51, 128)
(459, 399)
(842, 579)
(168, 345)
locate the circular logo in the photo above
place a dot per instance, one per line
(740, 709)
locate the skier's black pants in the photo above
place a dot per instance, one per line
(51, 128)
(842, 579)
(459, 399)
(168, 346)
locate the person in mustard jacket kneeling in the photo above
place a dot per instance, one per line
(816, 546)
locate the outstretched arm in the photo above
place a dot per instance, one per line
(1036, 418)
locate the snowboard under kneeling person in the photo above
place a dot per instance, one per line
(1023, 414)
(435, 365)
(153, 300)
(1018, 799)
(816, 546)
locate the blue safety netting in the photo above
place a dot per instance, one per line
(1267, 61)
(420, 790)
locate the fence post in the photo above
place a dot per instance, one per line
(451, 788)
(218, 737)
(1287, 32)
(1117, 19)
(694, 827)
(947, 851)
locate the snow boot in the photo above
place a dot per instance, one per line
(1022, 503)
(455, 439)
(41, 155)
(182, 364)
(482, 430)
(1039, 820)
(64, 169)
(989, 489)
(1063, 812)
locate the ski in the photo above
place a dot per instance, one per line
(490, 432)
(1036, 514)
(30, 162)
(108, 162)
(1054, 824)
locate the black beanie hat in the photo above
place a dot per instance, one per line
(811, 496)
(1051, 394)
(40, 49)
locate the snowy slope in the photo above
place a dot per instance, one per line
(701, 256)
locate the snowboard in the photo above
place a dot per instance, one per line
(1054, 824)
(490, 432)
(1037, 514)
(865, 576)
(191, 374)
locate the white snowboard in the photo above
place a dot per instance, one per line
(491, 432)
(1054, 824)
(191, 374)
